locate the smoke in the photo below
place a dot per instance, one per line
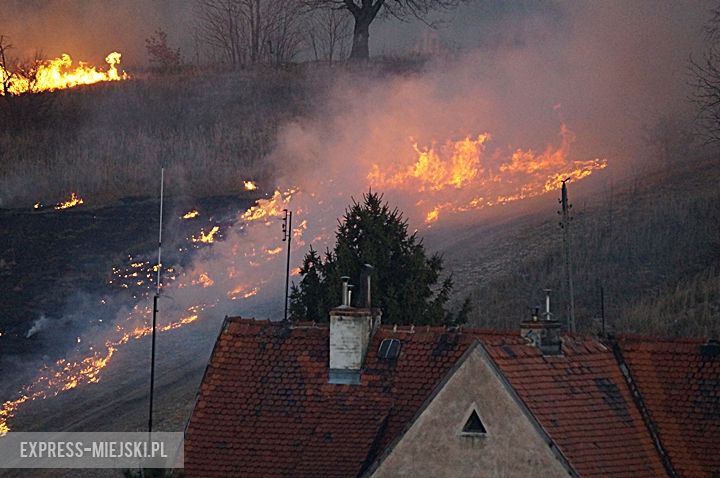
(568, 85)
(88, 30)
(38, 325)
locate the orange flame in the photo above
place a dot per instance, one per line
(74, 200)
(249, 185)
(59, 73)
(465, 168)
(208, 238)
(191, 214)
(66, 374)
(266, 208)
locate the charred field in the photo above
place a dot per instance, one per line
(65, 271)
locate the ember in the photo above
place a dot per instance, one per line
(208, 238)
(74, 200)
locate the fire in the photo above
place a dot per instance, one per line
(249, 185)
(74, 200)
(66, 374)
(266, 208)
(208, 238)
(466, 168)
(204, 280)
(243, 292)
(87, 367)
(59, 73)
(191, 214)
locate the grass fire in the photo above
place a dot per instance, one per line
(214, 197)
(57, 74)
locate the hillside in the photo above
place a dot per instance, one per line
(652, 243)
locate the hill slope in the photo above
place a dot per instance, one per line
(652, 243)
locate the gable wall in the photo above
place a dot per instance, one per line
(434, 447)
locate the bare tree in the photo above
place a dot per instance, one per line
(282, 32)
(218, 26)
(328, 34)
(364, 12)
(706, 78)
(250, 31)
(6, 73)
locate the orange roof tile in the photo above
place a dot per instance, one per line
(265, 407)
(679, 382)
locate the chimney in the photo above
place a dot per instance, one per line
(543, 333)
(351, 329)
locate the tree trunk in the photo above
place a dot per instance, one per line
(361, 35)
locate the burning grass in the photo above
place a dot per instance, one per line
(59, 74)
(115, 139)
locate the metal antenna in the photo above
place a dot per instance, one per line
(155, 302)
(602, 308)
(287, 236)
(565, 225)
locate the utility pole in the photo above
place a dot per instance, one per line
(287, 236)
(565, 226)
(155, 304)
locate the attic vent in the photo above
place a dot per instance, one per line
(473, 425)
(389, 349)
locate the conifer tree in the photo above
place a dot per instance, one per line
(405, 280)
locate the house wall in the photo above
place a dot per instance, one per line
(434, 446)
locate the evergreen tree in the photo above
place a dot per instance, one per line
(404, 279)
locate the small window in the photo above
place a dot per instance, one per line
(473, 425)
(389, 349)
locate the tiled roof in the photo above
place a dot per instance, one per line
(582, 401)
(265, 407)
(679, 382)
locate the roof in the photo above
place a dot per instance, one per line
(679, 383)
(581, 400)
(265, 407)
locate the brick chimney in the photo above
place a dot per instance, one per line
(543, 333)
(351, 329)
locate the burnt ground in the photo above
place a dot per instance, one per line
(59, 265)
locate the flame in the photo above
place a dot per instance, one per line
(69, 373)
(74, 200)
(266, 208)
(66, 374)
(204, 280)
(275, 251)
(249, 185)
(208, 238)
(191, 214)
(59, 73)
(242, 291)
(465, 168)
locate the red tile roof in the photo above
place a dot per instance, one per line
(265, 407)
(581, 400)
(679, 382)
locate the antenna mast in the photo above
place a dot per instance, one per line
(565, 225)
(155, 303)
(287, 236)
